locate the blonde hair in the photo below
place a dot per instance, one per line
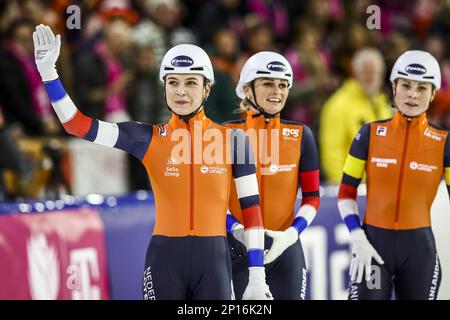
(243, 106)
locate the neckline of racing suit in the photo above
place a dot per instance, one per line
(419, 122)
(177, 122)
(256, 120)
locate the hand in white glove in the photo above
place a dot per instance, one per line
(257, 288)
(363, 252)
(238, 233)
(46, 52)
(281, 241)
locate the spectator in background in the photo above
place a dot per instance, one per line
(356, 10)
(422, 16)
(101, 76)
(146, 102)
(220, 104)
(395, 16)
(439, 111)
(53, 13)
(219, 14)
(39, 11)
(22, 94)
(355, 36)
(145, 94)
(162, 26)
(96, 16)
(274, 13)
(258, 37)
(221, 101)
(9, 12)
(441, 22)
(395, 44)
(11, 158)
(313, 80)
(358, 101)
(225, 53)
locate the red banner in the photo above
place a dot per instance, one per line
(57, 255)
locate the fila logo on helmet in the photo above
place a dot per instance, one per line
(415, 68)
(182, 61)
(276, 66)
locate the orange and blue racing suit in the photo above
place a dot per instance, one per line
(404, 160)
(286, 158)
(188, 256)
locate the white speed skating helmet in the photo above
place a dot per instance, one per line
(186, 59)
(419, 66)
(264, 64)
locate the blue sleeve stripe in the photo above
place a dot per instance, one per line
(55, 90)
(300, 224)
(309, 159)
(351, 181)
(447, 152)
(93, 131)
(255, 258)
(310, 194)
(231, 221)
(248, 202)
(360, 145)
(352, 221)
(240, 170)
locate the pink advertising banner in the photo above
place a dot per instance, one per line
(56, 255)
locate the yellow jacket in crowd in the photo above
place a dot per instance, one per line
(342, 116)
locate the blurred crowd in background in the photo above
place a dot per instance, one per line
(110, 65)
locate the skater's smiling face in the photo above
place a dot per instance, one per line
(412, 98)
(186, 92)
(271, 94)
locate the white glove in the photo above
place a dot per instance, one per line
(363, 252)
(238, 234)
(281, 241)
(46, 52)
(257, 288)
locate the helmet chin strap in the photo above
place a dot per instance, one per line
(185, 117)
(255, 105)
